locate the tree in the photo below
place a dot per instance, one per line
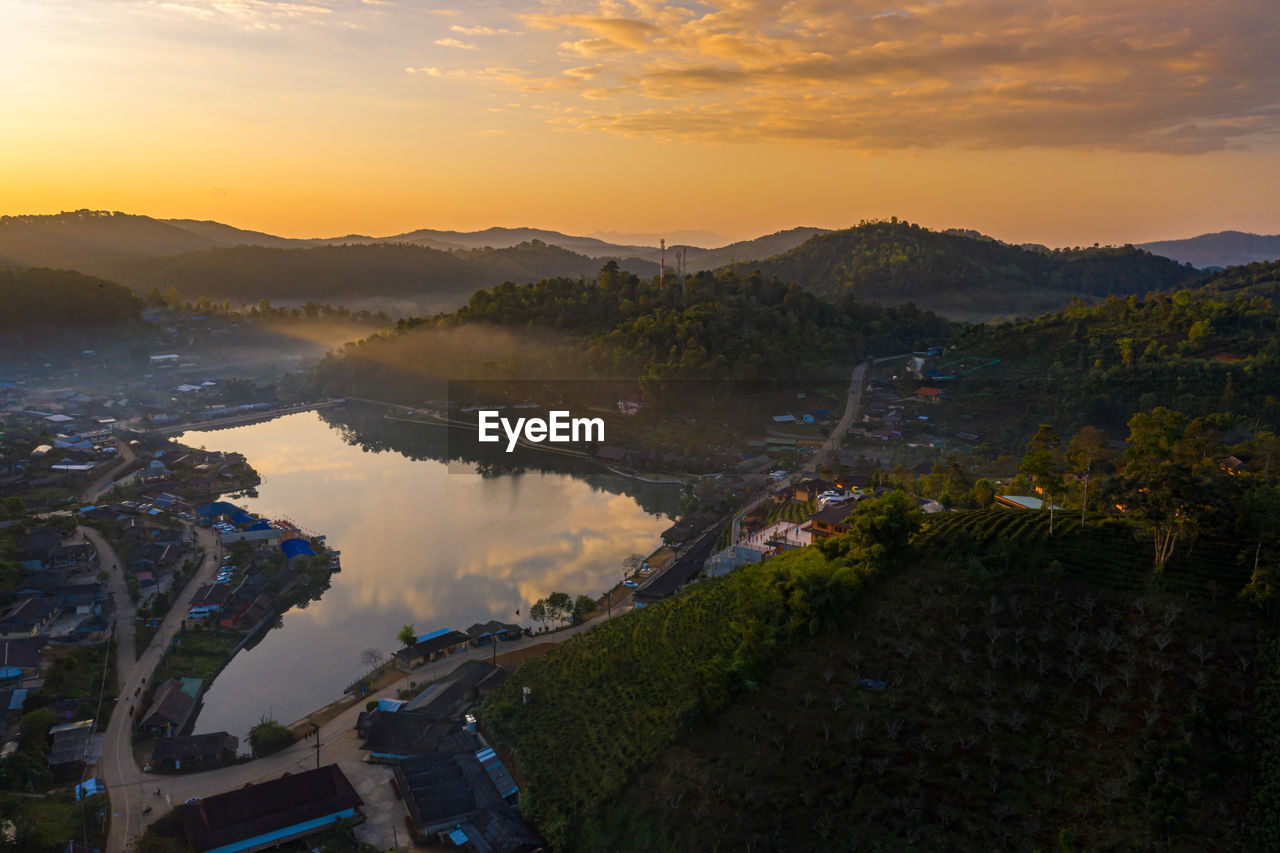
(371, 658)
(1087, 451)
(269, 736)
(559, 606)
(583, 606)
(1041, 464)
(538, 612)
(407, 636)
(1159, 484)
(880, 530)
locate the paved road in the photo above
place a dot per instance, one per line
(97, 487)
(126, 783)
(131, 790)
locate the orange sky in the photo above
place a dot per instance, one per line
(1058, 121)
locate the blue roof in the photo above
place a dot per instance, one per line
(244, 518)
(217, 508)
(17, 699)
(294, 547)
(7, 672)
(260, 524)
(390, 704)
(439, 632)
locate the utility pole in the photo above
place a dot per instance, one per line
(316, 726)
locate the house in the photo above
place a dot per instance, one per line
(393, 735)
(429, 647)
(1021, 502)
(267, 814)
(170, 709)
(829, 522)
(483, 634)
(70, 748)
(456, 799)
(212, 595)
(28, 617)
(22, 654)
(808, 490)
(928, 394)
(176, 753)
(612, 455)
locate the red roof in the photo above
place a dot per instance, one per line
(926, 391)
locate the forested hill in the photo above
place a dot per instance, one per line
(722, 326)
(346, 274)
(1211, 349)
(38, 299)
(957, 275)
(1256, 279)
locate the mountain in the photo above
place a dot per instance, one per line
(218, 234)
(748, 250)
(961, 276)
(1223, 249)
(428, 280)
(505, 238)
(693, 238)
(76, 238)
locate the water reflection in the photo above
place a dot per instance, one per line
(421, 544)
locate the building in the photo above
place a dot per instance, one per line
(457, 799)
(175, 753)
(929, 395)
(681, 571)
(429, 647)
(270, 813)
(488, 632)
(170, 708)
(829, 522)
(1021, 502)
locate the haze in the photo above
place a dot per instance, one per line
(1057, 122)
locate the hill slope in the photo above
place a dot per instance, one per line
(895, 262)
(347, 274)
(1006, 706)
(39, 299)
(1223, 249)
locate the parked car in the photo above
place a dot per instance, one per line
(631, 584)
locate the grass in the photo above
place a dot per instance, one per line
(77, 673)
(47, 823)
(200, 654)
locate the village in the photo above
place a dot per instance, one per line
(126, 545)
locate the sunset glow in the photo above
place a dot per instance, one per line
(1067, 122)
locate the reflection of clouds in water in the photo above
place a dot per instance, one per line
(427, 546)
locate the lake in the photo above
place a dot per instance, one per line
(426, 540)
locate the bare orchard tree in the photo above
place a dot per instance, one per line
(372, 659)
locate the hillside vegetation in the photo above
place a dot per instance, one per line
(721, 327)
(1034, 697)
(37, 300)
(958, 275)
(1192, 350)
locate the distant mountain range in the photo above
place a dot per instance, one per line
(1223, 249)
(958, 272)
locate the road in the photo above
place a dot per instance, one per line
(131, 790)
(126, 783)
(827, 452)
(123, 452)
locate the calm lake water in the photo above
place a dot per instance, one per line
(424, 541)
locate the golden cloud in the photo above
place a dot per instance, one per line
(1176, 76)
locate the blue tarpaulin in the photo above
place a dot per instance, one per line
(243, 518)
(294, 547)
(260, 524)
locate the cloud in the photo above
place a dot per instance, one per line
(481, 31)
(1174, 76)
(455, 43)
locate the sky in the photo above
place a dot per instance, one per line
(1064, 122)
